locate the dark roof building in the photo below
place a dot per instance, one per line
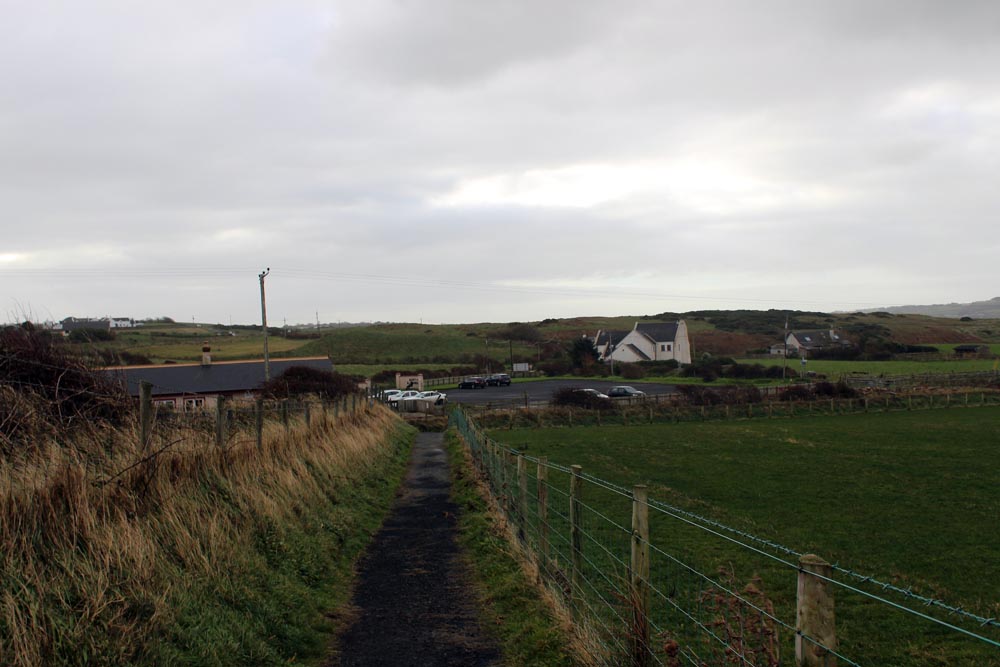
(73, 324)
(818, 339)
(210, 379)
(657, 331)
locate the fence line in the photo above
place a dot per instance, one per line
(639, 595)
(672, 409)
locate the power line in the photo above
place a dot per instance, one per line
(396, 280)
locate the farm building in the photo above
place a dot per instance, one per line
(647, 341)
(197, 386)
(802, 343)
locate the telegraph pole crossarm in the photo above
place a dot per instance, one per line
(263, 322)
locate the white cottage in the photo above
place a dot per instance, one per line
(647, 341)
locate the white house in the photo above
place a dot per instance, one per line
(647, 341)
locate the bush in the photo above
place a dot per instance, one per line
(632, 372)
(658, 368)
(698, 395)
(301, 380)
(46, 387)
(90, 335)
(796, 392)
(573, 397)
(830, 390)
(555, 367)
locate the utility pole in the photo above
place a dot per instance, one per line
(510, 343)
(784, 355)
(487, 356)
(263, 322)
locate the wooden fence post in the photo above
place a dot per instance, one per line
(220, 421)
(575, 532)
(522, 494)
(284, 412)
(640, 576)
(259, 421)
(145, 413)
(308, 414)
(815, 635)
(543, 507)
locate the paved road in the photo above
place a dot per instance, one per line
(542, 390)
(415, 601)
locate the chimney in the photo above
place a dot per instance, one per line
(206, 357)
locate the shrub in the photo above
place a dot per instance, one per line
(632, 371)
(300, 380)
(555, 367)
(830, 390)
(796, 392)
(573, 397)
(47, 387)
(658, 368)
(90, 335)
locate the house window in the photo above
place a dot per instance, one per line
(167, 403)
(194, 403)
(670, 347)
(663, 348)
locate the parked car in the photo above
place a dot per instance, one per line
(474, 382)
(407, 395)
(498, 380)
(389, 394)
(625, 392)
(435, 396)
(592, 392)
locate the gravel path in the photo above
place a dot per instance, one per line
(414, 602)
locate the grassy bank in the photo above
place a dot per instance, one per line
(202, 556)
(526, 626)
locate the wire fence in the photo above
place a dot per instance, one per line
(649, 583)
(676, 408)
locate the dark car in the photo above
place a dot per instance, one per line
(475, 382)
(625, 392)
(498, 380)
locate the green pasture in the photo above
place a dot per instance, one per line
(834, 369)
(417, 344)
(911, 498)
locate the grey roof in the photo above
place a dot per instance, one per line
(614, 337)
(219, 377)
(70, 324)
(658, 331)
(817, 338)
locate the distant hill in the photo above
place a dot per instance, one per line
(977, 309)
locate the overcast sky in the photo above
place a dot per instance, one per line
(463, 160)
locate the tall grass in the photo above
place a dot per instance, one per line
(198, 555)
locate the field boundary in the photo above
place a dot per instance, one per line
(673, 408)
(635, 594)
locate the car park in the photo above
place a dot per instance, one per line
(498, 380)
(474, 382)
(625, 392)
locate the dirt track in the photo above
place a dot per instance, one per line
(414, 602)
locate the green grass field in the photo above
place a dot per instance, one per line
(834, 369)
(911, 498)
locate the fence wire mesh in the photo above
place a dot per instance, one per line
(738, 601)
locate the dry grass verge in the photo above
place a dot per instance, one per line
(198, 555)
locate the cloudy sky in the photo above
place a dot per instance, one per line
(458, 160)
